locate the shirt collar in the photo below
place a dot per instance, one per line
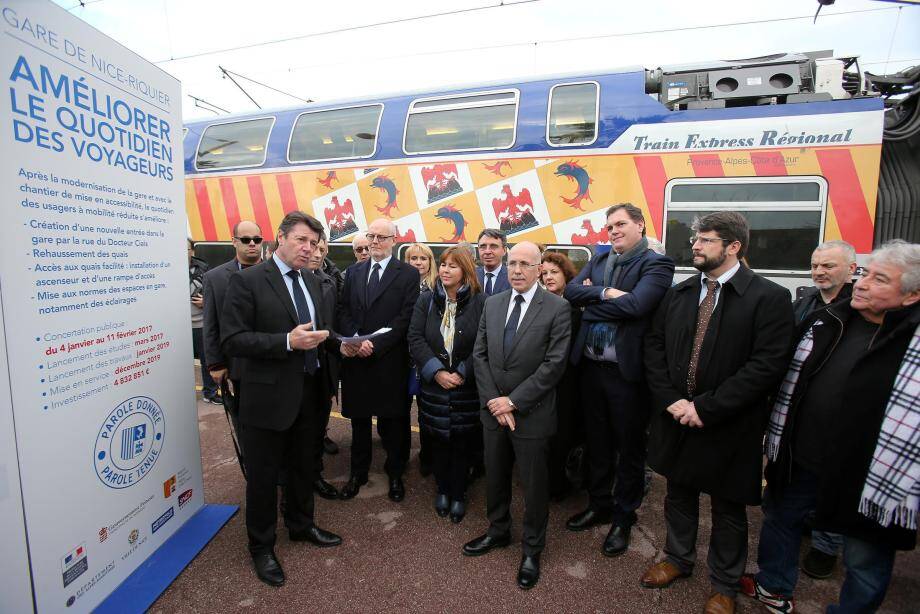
(497, 270)
(282, 265)
(724, 277)
(383, 264)
(528, 296)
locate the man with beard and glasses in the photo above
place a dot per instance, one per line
(716, 349)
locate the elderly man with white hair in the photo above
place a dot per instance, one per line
(843, 441)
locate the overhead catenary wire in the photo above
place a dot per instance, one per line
(347, 29)
(522, 43)
(265, 85)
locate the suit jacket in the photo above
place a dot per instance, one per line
(258, 314)
(744, 355)
(529, 371)
(215, 288)
(499, 284)
(379, 384)
(646, 279)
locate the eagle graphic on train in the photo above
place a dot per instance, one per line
(591, 236)
(514, 212)
(441, 181)
(340, 218)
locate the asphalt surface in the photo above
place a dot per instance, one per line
(401, 557)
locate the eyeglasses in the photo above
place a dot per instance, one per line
(373, 237)
(248, 240)
(706, 240)
(360, 250)
(514, 264)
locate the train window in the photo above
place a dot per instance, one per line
(786, 217)
(486, 120)
(234, 144)
(335, 134)
(572, 115)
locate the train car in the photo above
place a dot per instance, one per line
(790, 141)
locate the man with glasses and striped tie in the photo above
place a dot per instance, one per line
(716, 350)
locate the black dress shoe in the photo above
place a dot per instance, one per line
(397, 490)
(457, 511)
(352, 487)
(268, 569)
(329, 446)
(316, 536)
(529, 571)
(325, 490)
(617, 541)
(441, 505)
(485, 543)
(587, 519)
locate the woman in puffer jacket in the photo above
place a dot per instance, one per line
(441, 338)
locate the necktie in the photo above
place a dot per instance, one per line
(372, 282)
(702, 323)
(303, 316)
(512, 324)
(489, 283)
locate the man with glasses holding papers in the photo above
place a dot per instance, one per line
(379, 292)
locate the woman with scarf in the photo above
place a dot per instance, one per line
(441, 339)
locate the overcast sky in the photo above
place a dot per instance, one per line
(480, 41)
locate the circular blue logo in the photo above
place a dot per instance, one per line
(129, 442)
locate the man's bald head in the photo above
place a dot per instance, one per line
(524, 266)
(381, 235)
(245, 235)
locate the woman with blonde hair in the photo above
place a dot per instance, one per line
(441, 338)
(421, 257)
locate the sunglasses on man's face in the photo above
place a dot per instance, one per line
(361, 250)
(248, 240)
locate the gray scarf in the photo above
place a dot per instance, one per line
(602, 334)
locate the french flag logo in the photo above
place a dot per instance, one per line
(73, 556)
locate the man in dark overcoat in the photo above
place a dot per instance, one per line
(716, 350)
(379, 293)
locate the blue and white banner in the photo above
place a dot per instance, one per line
(99, 451)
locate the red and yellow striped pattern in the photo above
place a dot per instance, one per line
(215, 203)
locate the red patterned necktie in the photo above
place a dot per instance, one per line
(702, 323)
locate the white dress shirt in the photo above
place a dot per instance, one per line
(289, 284)
(723, 278)
(383, 267)
(528, 297)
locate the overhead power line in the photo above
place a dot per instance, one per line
(347, 29)
(250, 79)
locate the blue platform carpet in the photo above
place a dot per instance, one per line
(150, 579)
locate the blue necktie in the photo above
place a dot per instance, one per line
(489, 283)
(303, 316)
(512, 324)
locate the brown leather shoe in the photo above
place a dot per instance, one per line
(662, 575)
(719, 604)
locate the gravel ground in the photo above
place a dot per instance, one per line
(400, 557)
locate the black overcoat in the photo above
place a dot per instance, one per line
(742, 360)
(446, 412)
(379, 384)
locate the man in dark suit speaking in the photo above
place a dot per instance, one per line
(272, 326)
(519, 357)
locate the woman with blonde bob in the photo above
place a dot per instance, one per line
(421, 257)
(441, 338)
